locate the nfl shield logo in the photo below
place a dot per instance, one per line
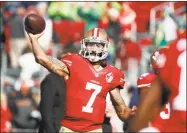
(109, 77)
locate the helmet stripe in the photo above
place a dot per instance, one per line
(93, 31)
(98, 30)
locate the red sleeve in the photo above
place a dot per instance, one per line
(68, 60)
(145, 80)
(119, 79)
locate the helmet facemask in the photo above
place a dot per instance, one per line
(94, 48)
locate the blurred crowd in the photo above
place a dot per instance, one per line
(130, 47)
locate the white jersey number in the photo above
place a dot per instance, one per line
(179, 103)
(88, 108)
(165, 115)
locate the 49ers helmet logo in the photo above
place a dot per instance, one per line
(109, 77)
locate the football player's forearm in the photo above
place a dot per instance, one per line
(147, 108)
(39, 54)
(56, 66)
(121, 109)
(50, 63)
(143, 93)
(122, 112)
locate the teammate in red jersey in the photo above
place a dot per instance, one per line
(172, 74)
(87, 81)
(144, 83)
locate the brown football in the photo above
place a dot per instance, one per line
(34, 24)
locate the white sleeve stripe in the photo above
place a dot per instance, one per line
(122, 80)
(67, 61)
(69, 64)
(144, 85)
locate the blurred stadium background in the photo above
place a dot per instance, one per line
(136, 29)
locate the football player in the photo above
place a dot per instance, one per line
(144, 83)
(172, 74)
(88, 81)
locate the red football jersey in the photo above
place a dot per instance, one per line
(173, 74)
(86, 92)
(144, 82)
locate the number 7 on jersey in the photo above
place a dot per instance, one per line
(88, 108)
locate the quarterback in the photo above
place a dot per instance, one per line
(88, 81)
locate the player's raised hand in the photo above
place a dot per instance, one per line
(34, 36)
(34, 24)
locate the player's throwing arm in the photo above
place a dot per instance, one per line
(50, 63)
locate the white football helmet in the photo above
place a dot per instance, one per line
(95, 36)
